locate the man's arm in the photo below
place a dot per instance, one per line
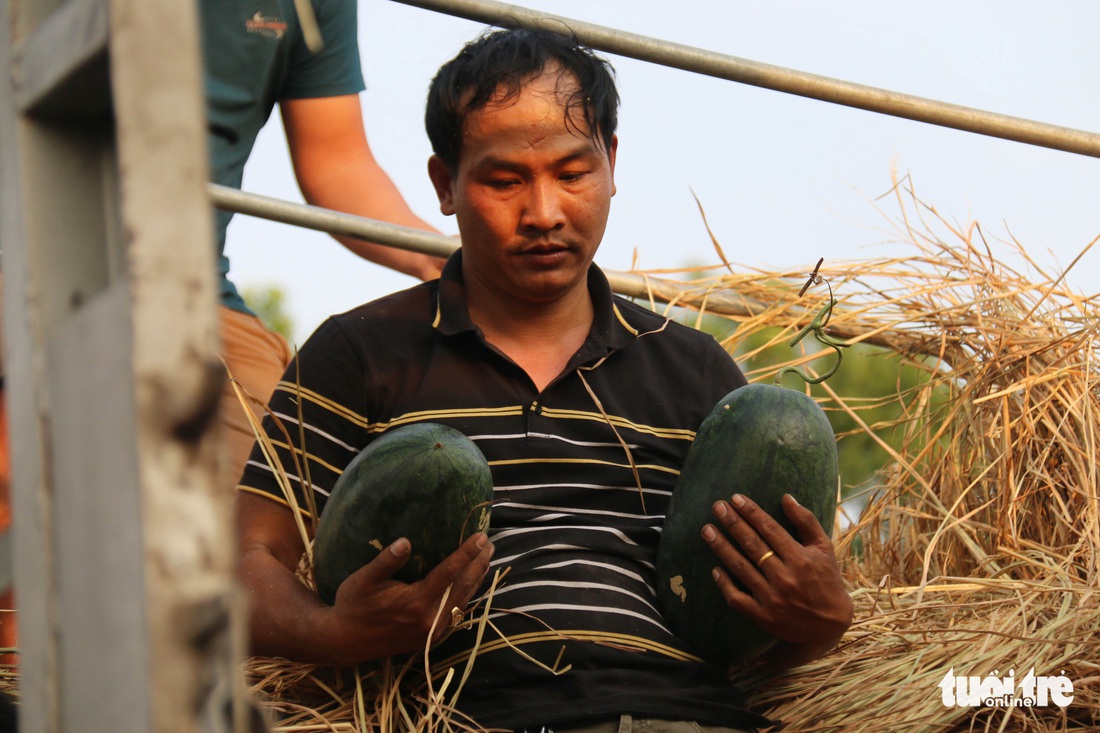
(336, 169)
(797, 593)
(373, 616)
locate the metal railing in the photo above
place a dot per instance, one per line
(776, 78)
(724, 301)
(687, 58)
(630, 284)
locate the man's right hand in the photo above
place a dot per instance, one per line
(370, 605)
(374, 616)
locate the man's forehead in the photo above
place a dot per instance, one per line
(550, 96)
(552, 80)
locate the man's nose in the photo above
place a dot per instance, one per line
(543, 209)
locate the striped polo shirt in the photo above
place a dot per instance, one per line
(582, 476)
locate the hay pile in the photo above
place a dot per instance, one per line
(976, 554)
(977, 551)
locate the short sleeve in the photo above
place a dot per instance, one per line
(336, 69)
(316, 423)
(722, 372)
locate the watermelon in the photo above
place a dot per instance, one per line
(761, 441)
(424, 481)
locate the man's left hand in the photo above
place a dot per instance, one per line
(792, 589)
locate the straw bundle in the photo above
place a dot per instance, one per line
(976, 554)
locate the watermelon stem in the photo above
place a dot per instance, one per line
(817, 326)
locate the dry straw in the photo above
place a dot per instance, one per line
(976, 553)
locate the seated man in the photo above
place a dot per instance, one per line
(583, 403)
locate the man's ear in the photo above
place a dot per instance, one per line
(611, 159)
(443, 182)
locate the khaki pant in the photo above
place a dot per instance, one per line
(627, 724)
(256, 358)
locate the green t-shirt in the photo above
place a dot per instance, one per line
(255, 55)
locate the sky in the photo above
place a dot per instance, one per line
(783, 179)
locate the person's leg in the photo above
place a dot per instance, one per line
(255, 358)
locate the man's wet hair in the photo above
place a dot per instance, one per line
(495, 66)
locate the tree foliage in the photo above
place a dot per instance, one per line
(875, 385)
(269, 303)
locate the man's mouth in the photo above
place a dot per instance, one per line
(548, 255)
(544, 248)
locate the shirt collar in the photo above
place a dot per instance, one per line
(610, 329)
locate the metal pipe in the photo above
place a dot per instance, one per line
(775, 78)
(629, 284)
(333, 222)
(415, 240)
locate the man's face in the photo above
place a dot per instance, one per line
(531, 195)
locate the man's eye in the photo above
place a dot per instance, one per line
(503, 183)
(572, 176)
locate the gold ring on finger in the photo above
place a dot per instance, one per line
(765, 556)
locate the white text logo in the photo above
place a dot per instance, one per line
(994, 691)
